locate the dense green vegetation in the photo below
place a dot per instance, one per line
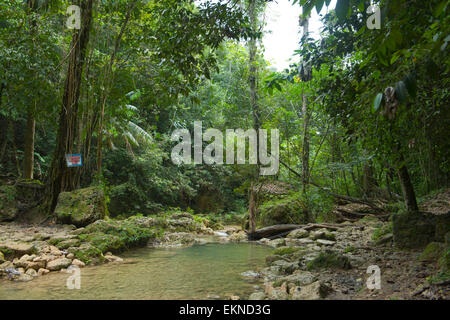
(363, 114)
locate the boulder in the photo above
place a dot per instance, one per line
(298, 234)
(315, 291)
(59, 264)
(302, 278)
(31, 272)
(432, 252)
(323, 242)
(81, 207)
(285, 210)
(276, 243)
(78, 263)
(278, 294)
(16, 249)
(111, 258)
(417, 229)
(2, 257)
(42, 272)
(23, 277)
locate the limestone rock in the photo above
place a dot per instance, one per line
(298, 234)
(43, 271)
(315, 291)
(111, 258)
(31, 272)
(81, 207)
(17, 249)
(78, 263)
(326, 242)
(278, 294)
(58, 264)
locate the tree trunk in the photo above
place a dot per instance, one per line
(253, 70)
(63, 178)
(305, 112)
(28, 160)
(407, 187)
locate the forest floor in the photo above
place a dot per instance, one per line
(333, 263)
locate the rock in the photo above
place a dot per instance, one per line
(271, 259)
(16, 249)
(36, 265)
(301, 278)
(329, 260)
(276, 243)
(68, 243)
(286, 267)
(298, 234)
(432, 252)
(326, 242)
(314, 291)
(235, 298)
(250, 274)
(42, 272)
(238, 236)
(23, 277)
(81, 207)
(278, 294)
(6, 265)
(257, 296)
(322, 234)
(55, 251)
(200, 241)
(2, 257)
(31, 272)
(286, 210)
(112, 258)
(78, 263)
(413, 229)
(385, 239)
(58, 264)
(298, 242)
(70, 256)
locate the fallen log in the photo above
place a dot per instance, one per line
(281, 230)
(272, 231)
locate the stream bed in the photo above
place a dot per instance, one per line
(206, 271)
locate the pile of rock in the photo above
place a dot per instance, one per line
(30, 265)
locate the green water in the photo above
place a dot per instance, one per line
(198, 272)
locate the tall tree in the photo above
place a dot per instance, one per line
(61, 177)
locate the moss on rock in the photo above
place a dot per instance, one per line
(285, 250)
(413, 229)
(288, 209)
(81, 207)
(432, 252)
(329, 260)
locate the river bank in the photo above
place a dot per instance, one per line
(30, 251)
(333, 263)
(312, 262)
